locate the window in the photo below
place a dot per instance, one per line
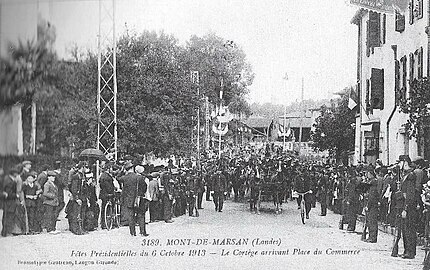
(400, 22)
(377, 88)
(411, 11)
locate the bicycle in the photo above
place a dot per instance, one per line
(302, 204)
(112, 215)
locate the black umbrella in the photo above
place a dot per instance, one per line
(93, 153)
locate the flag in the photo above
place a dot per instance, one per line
(352, 100)
(282, 131)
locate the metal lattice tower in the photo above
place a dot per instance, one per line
(107, 83)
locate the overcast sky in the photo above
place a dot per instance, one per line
(313, 39)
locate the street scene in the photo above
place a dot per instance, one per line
(140, 134)
(235, 222)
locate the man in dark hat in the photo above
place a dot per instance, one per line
(26, 168)
(409, 213)
(74, 209)
(219, 183)
(107, 190)
(420, 180)
(372, 206)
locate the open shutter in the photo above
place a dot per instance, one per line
(368, 107)
(411, 67)
(411, 12)
(374, 29)
(397, 81)
(377, 88)
(400, 22)
(384, 28)
(420, 59)
(418, 9)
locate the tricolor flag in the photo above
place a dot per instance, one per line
(352, 101)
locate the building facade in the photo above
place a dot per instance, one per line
(392, 52)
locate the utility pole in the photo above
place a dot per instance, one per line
(219, 112)
(301, 117)
(195, 80)
(285, 112)
(207, 130)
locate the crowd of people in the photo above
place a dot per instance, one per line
(397, 195)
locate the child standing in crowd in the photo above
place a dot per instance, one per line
(32, 191)
(50, 203)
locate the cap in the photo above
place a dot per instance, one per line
(418, 159)
(128, 165)
(26, 162)
(52, 173)
(89, 175)
(155, 174)
(405, 158)
(139, 169)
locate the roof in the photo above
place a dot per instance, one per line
(296, 122)
(258, 122)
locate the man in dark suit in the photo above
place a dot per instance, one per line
(219, 184)
(409, 213)
(134, 188)
(107, 190)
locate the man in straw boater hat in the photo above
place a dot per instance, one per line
(134, 189)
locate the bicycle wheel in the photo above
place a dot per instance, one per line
(302, 210)
(109, 215)
(117, 215)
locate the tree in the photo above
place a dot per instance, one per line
(417, 105)
(334, 130)
(219, 60)
(156, 99)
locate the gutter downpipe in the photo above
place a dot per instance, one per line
(394, 47)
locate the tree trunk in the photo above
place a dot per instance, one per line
(33, 129)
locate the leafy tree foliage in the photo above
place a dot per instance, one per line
(417, 105)
(334, 129)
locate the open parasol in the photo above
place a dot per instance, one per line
(93, 153)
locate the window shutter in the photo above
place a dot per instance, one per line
(400, 22)
(384, 28)
(397, 81)
(367, 97)
(367, 39)
(411, 11)
(420, 63)
(377, 88)
(418, 9)
(404, 78)
(411, 67)
(374, 29)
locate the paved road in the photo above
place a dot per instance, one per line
(233, 239)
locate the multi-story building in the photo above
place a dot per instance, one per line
(392, 51)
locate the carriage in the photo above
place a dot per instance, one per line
(272, 188)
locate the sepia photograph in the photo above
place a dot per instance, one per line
(215, 134)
